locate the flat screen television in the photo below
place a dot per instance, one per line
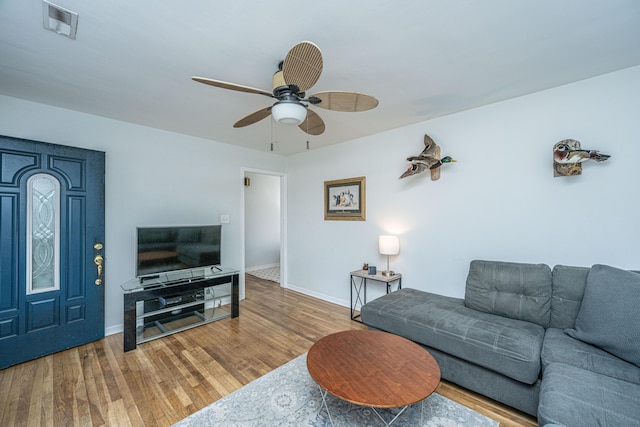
(164, 249)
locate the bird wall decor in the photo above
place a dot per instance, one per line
(428, 160)
(568, 157)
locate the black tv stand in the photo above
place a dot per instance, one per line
(216, 268)
(198, 295)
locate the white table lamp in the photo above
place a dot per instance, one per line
(388, 245)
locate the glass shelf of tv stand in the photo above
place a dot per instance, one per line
(178, 300)
(173, 278)
(174, 301)
(155, 319)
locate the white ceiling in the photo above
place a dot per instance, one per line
(133, 60)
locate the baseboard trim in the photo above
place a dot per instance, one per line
(112, 330)
(261, 267)
(324, 297)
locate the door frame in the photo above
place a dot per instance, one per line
(283, 224)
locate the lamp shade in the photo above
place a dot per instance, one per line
(289, 112)
(388, 245)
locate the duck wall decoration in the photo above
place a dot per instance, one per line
(428, 160)
(568, 157)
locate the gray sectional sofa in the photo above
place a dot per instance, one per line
(562, 345)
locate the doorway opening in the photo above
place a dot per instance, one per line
(264, 225)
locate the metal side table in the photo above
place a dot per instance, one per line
(359, 280)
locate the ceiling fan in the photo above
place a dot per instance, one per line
(296, 74)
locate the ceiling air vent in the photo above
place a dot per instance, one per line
(59, 19)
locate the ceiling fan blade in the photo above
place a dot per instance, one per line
(313, 124)
(344, 101)
(253, 117)
(231, 86)
(302, 65)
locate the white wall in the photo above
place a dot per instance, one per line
(500, 201)
(262, 220)
(153, 177)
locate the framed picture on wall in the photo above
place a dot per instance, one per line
(345, 199)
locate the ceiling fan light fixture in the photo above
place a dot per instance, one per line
(289, 112)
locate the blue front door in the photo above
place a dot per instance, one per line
(51, 218)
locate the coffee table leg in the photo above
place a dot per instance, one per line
(323, 393)
(394, 418)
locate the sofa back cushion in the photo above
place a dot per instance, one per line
(609, 316)
(515, 290)
(568, 290)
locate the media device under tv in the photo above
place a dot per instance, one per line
(165, 249)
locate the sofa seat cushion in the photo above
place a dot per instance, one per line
(558, 347)
(507, 346)
(572, 396)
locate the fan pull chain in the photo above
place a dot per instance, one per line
(271, 123)
(307, 132)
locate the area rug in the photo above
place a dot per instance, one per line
(288, 396)
(271, 273)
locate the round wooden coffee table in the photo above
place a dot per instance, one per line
(372, 368)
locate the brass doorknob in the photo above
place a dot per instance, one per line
(98, 260)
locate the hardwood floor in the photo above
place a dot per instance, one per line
(164, 380)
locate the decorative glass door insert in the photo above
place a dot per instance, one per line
(43, 230)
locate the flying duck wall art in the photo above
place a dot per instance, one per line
(428, 160)
(568, 157)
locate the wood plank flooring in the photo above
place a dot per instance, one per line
(165, 380)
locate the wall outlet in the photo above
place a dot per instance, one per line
(224, 219)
